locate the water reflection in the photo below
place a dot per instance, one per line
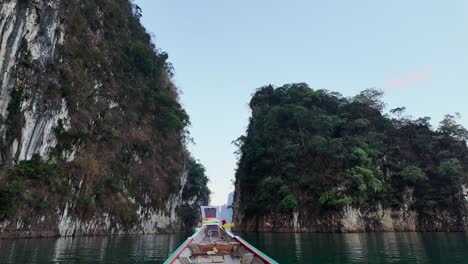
(298, 244)
(286, 248)
(128, 249)
(365, 248)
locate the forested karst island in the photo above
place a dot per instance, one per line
(92, 136)
(315, 161)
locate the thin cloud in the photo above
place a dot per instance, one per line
(403, 82)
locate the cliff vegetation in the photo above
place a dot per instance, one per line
(317, 154)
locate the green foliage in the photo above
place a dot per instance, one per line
(188, 214)
(28, 175)
(360, 157)
(450, 168)
(332, 199)
(35, 169)
(450, 127)
(371, 97)
(412, 174)
(359, 125)
(363, 184)
(268, 195)
(86, 203)
(13, 123)
(329, 152)
(196, 185)
(9, 194)
(127, 214)
(195, 188)
(289, 203)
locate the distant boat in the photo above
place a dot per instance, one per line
(213, 244)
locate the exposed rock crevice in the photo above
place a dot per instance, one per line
(30, 32)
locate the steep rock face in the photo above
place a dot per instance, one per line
(351, 220)
(314, 161)
(91, 133)
(226, 209)
(30, 31)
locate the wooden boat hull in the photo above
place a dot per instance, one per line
(213, 244)
(204, 247)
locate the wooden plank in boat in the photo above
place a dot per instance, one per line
(204, 259)
(247, 258)
(198, 238)
(228, 260)
(194, 248)
(186, 253)
(185, 260)
(217, 259)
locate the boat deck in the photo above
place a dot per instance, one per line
(223, 249)
(220, 259)
(217, 259)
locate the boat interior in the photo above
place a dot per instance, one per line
(212, 244)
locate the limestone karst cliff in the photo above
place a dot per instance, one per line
(92, 137)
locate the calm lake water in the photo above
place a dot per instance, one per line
(286, 248)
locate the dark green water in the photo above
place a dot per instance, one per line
(286, 248)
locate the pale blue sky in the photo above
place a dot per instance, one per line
(417, 51)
